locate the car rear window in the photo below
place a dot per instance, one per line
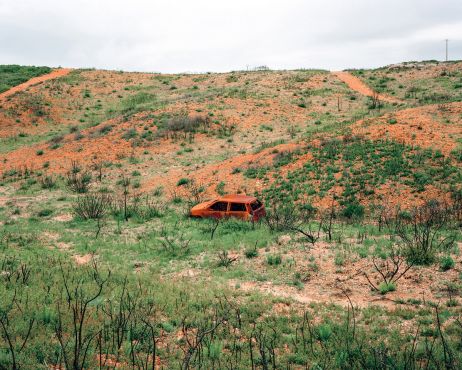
(219, 206)
(255, 205)
(238, 207)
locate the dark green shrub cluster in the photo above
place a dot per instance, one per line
(446, 263)
(256, 172)
(182, 181)
(274, 260)
(13, 75)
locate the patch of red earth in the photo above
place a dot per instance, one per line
(422, 126)
(398, 196)
(245, 114)
(17, 116)
(328, 282)
(248, 113)
(92, 148)
(354, 83)
(109, 147)
(34, 81)
(212, 174)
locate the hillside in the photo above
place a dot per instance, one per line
(98, 170)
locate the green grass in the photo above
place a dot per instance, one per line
(361, 166)
(13, 75)
(134, 253)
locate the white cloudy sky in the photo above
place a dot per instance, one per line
(219, 35)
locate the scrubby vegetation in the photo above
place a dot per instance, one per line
(356, 264)
(12, 75)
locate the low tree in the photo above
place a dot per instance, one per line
(424, 230)
(390, 270)
(284, 215)
(72, 328)
(17, 312)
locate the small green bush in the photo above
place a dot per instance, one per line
(274, 260)
(446, 263)
(130, 134)
(324, 332)
(384, 288)
(339, 260)
(353, 210)
(182, 181)
(220, 188)
(105, 129)
(45, 212)
(251, 252)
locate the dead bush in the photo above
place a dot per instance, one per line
(424, 230)
(47, 182)
(173, 242)
(77, 180)
(184, 126)
(92, 206)
(286, 216)
(224, 260)
(390, 270)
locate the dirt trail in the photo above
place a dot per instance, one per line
(33, 81)
(356, 84)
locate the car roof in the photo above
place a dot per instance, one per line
(238, 198)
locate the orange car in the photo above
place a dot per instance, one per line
(240, 206)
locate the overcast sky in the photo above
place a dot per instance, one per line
(219, 35)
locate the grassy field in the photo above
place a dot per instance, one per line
(13, 75)
(356, 266)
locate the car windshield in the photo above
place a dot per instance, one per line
(255, 205)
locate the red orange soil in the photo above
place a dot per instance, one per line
(356, 84)
(210, 175)
(34, 81)
(431, 126)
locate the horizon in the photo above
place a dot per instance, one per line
(251, 68)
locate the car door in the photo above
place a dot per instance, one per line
(218, 209)
(238, 210)
(257, 210)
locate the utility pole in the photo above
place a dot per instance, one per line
(447, 41)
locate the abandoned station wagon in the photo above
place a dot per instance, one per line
(240, 206)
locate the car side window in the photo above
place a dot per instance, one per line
(238, 207)
(255, 205)
(219, 206)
